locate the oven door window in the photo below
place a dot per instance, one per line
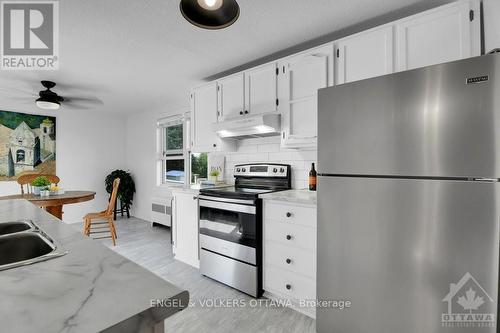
(236, 227)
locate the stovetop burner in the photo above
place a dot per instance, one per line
(254, 179)
(235, 192)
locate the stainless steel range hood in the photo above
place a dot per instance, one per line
(251, 126)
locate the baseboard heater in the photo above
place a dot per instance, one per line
(161, 211)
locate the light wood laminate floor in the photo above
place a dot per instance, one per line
(150, 248)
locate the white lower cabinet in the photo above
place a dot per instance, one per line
(185, 227)
(289, 250)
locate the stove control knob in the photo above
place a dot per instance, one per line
(275, 170)
(282, 170)
(244, 170)
(238, 170)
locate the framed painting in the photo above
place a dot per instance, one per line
(27, 145)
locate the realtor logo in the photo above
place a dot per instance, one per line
(29, 35)
(468, 305)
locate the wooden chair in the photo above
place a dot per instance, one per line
(25, 180)
(104, 219)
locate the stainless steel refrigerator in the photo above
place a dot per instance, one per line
(408, 201)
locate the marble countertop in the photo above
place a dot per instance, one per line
(302, 196)
(91, 289)
(197, 187)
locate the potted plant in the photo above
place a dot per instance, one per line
(126, 189)
(214, 175)
(39, 184)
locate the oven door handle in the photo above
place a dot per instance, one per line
(228, 200)
(228, 206)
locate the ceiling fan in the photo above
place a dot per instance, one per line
(50, 100)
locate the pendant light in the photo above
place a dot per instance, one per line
(210, 14)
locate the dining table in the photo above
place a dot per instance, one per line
(53, 204)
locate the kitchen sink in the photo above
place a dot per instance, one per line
(20, 247)
(15, 226)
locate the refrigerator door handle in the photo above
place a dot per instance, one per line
(489, 180)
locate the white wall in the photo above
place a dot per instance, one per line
(89, 145)
(491, 12)
(141, 159)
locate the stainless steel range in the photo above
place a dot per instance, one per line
(231, 225)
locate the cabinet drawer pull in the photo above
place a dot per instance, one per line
(288, 237)
(288, 214)
(288, 261)
(288, 287)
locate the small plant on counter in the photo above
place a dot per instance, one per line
(214, 175)
(40, 182)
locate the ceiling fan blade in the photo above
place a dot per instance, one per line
(82, 101)
(16, 91)
(75, 88)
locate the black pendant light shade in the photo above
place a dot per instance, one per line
(210, 14)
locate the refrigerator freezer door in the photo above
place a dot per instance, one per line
(439, 121)
(406, 253)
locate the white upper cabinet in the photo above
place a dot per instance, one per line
(231, 96)
(299, 79)
(365, 55)
(447, 33)
(289, 86)
(204, 115)
(261, 89)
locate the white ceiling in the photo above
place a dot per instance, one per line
(140, 55)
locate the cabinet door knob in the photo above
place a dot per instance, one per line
(241, 112)
(288, 237)
(246, 111)
(215, 145)
(288, 287)
(288, 261)
(288, 214)
(195, 198)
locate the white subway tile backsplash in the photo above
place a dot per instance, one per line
(269, 148)
(261, 150)
(248, 148)
(304, 155)
(280, 156)
(236, 157)
(258, 157)
(273, 139)
(248, 142)
(299, 184)
(298, 174)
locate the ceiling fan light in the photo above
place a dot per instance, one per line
(210, 14)
(210, 4)
(45, 104)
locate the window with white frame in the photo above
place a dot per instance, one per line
(176, 164)
(172, 149)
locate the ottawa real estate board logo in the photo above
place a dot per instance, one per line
(468, 305)
(29, 38)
